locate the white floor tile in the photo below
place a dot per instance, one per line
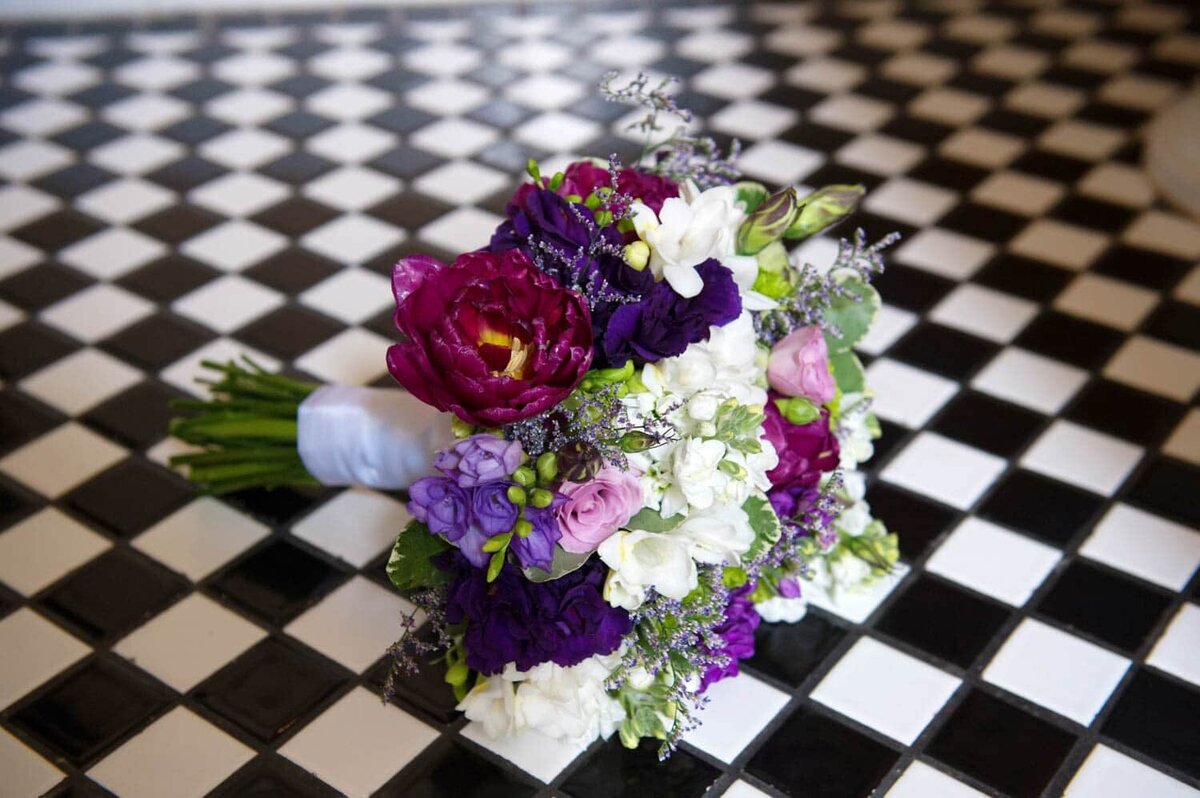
(352, 295)
(1165, 232)
(1083, 140)
(944, 253)
(1030, 380)
(851, 112)
(733, 81)
(554, 131)
(981, 147)
(1156, 366)
(61, 459)
(910, 201)
(96, 312)
(880, 154)
(1175, 651)
(1107, 301)
(533, 752)
(779, 162)
(136, 154)
(994, 561)
(189, 641)
(461, 182)
(1017, 192)
(949, 106)
(25, 773)
(32, 650)
(43, 548)
(353, 625)
(20, 205)
(228, 303)
(1107, 773)
(922, 781)
(351, 143)
(42, 116)
(80, 381)
(125, 201)
(1083, 457)
(250, 105)
(234, 245)
(943, 469)
(1184, 442)
(184, 372)
(352, 238)
(359, 743)
(1145, 545)
(981, 311)
(348, 101)
(448, 96)
(200, 538)
(357, 525)
(239, 194)
(180, 755)
(454, 138)
(726, 727)
(112, 253)
(907, 395)
(890, 324)
(1057, 670)
(28, 159)
(352, 188)
(1059, 244)
(460, 230)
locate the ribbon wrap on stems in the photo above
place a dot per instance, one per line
(374, 437)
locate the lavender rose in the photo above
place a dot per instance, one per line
(595, 509)
(441, 505)
(479, 459)
(799, 366)
(491, 509)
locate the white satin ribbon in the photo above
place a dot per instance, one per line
(374, 437)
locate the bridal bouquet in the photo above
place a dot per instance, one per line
(630, 432)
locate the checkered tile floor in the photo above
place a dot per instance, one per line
(204, 188)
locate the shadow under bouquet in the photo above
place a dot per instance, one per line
(630, 432)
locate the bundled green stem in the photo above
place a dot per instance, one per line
(247, 430)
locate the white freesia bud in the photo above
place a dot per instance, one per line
(638, 559)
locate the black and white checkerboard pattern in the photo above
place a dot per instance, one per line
(200, 188)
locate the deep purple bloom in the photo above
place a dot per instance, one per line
(663, 323)
(790, 501)
(737, 631)
(479, 459)
(537, 550)
(512, 619)
(441, 505)
(491, 509)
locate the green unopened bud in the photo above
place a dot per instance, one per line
(798, 409)
(733, 469)
(494, 566)
(516, 494)
(824, 208)
(637, 255)
(573, 198)
(557, 181)
(541, 498)
(592, 202)
(773, 258)
(456, 674)
(636, 441)
(750, 194)
(604, 218)
(523, 528)
(768, 222)
(531, 166)
(460, 428)
(497, 542)
(547, 467)
(775, 285)
(525, 477)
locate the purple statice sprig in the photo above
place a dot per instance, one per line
(418, 642)
(816, 290)
(575, 269)
(679, 156)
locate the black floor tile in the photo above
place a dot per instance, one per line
(1117, 409)
(290, 331)
(950, 174)
(168, 278)
(195, 130)
(22, 419)
(39, 286)
(158, 341)
(912, 289)
(919, 131)
(295, 216)
(88, 136)
(299, 125)
(86, 713)
(402, 120)
(1001, 745)
(989, 424)
(1043, 507)
(26, 347)
(1052, 166)
(814, 755)
(58, 230)
(1157, 716)
(791, 651)
(944, 351)
(1086, 212)
(1117, 610)
(1023, 277)
(937, 617)
(178, 223)
(113, 594)
(271, 776)
(292, 271)
(450, 769)
(425, 692)
(297, 168)
(76, 179)
(16, 502)
(406, 162)
(137, 417)
(277, 582)
(1070, 339)
(272, 687)
(1176, 323)
(410, 210)
(917, 521)
(1168, 488)
(276, 507)
(983, 222)
(129, 497)
(614, 771)
(184, 175)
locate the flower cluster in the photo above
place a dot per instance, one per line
(657, 421)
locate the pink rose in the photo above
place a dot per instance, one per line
(595, 509)
(799, 366)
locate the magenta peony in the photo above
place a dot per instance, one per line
(805, 450)
(489, 337)
(595, 509)
(799, 366)
(584, 177)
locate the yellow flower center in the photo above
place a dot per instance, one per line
(519, 352)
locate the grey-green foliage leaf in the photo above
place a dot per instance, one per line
(564, 562)
(409, 565)
(851, 315)
(650, 521)
(765, 524)
(848, 372)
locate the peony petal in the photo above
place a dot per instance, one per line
(410, 272)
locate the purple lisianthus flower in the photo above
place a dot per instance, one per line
(805, 450)
(479, 459)
(491, 509)
(512, 619)
(537, 549)
(440, 504)
(663, 323)
(789, 588)
(737, 631)
(790, 501)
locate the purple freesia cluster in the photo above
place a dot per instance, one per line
(470, 502)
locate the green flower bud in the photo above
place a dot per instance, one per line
(768, 223)
(773, 258)
(547, 467)
(751, 194)
(523, 528)
(525, 477)
(460, 428)
(497, 542)
(774, 285)
(798, 409)
(516, 494)
(557, 181)
(541, 498)
(456, 674)
(732, 469)
(636, 441)
(637, 255)
(824, 208)
(531, 166)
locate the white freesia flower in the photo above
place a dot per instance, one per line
(725, 365)
(696, 480)
(720, 535)
(567, 704)
(787, 610)
(690, 229)
(638, 559)
(854, 520)
(854, 438)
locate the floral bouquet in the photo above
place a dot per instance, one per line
(630, 432)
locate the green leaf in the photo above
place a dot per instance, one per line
(409, 566)
(765, 524)
(848, 372)
(564, 562)
(851, 317)
(650, 521)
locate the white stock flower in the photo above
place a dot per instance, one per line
(638, 559)
(696, 480)
(854, 438)
(492, 702)
(719, 535)
(854, 519)
(777, 609)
